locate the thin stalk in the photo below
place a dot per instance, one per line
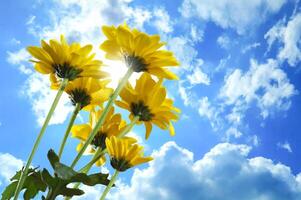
(103, 116)
(38, 140)
(100, 152)
(71, 122)
(112, 181)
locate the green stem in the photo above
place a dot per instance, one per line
(112, 181)
(129, 127)
(38, 140)
(100, 152)
(103, 116)
(73, 117)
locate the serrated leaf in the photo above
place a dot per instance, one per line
(65, 175)
(69, 192)
(53, 158)
(9, 191)
(32, 185)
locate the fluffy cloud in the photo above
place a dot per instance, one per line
(265, 84)
(36, 89)
(290, 36)
(286, 146)
(198, 77)
(80, 21)
(212, 113)
(162, 20)
(231, 14)
(224, 172)
(8, 166)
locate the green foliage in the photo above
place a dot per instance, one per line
(32, 185)
(39, 180)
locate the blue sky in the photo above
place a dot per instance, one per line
(239, 94)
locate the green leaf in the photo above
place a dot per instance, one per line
(64, 175)
(69, 192)
(53, 158)
(9, 191)
(32, 185)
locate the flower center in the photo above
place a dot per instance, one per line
(99, 140)
(137, 63)
(66, 71)
(141, 110)
(80, 95)
(120, 164)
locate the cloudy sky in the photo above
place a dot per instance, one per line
(238, 136)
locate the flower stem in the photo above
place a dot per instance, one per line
(71, 122)
(112, 181)
(38, 140)
(100, 152)
(103, 116)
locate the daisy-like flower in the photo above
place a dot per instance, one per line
(88, 92)
(125, 154)
(112, 126)
(140, 51)
(149, 103)
(63, 61)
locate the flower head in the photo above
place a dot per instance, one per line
(88, 92)
(125, 154)
(148, 101)
(140, 51)
(112, 126)
(63, 61)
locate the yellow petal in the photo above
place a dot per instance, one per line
(148, 129)
(81, 131)
(171, 129)
(163, 73)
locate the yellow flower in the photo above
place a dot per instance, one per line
(88, 92)
(125, 154)
(148, 102)
(61, 60)
(140, 51)
(112, 126)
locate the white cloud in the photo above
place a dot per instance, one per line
(238, 15)
(186, 95)
(254, 140)
(233, 132)
(14, 41)
(184, 51)
(197, 35)
(224, 172)
(80, 21)
(37, 89)
(250, 46)
(224, 41)
(265, 84)
(17, 57)
(198, 77)
(286, 146)
(210, 112)
(162, 20)
(290, 36)
(8, 166)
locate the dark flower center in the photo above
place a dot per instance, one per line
(99, 140)
(66, 71)
(80, 96)
(141, 110)
(120, 164)
(136, 63)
